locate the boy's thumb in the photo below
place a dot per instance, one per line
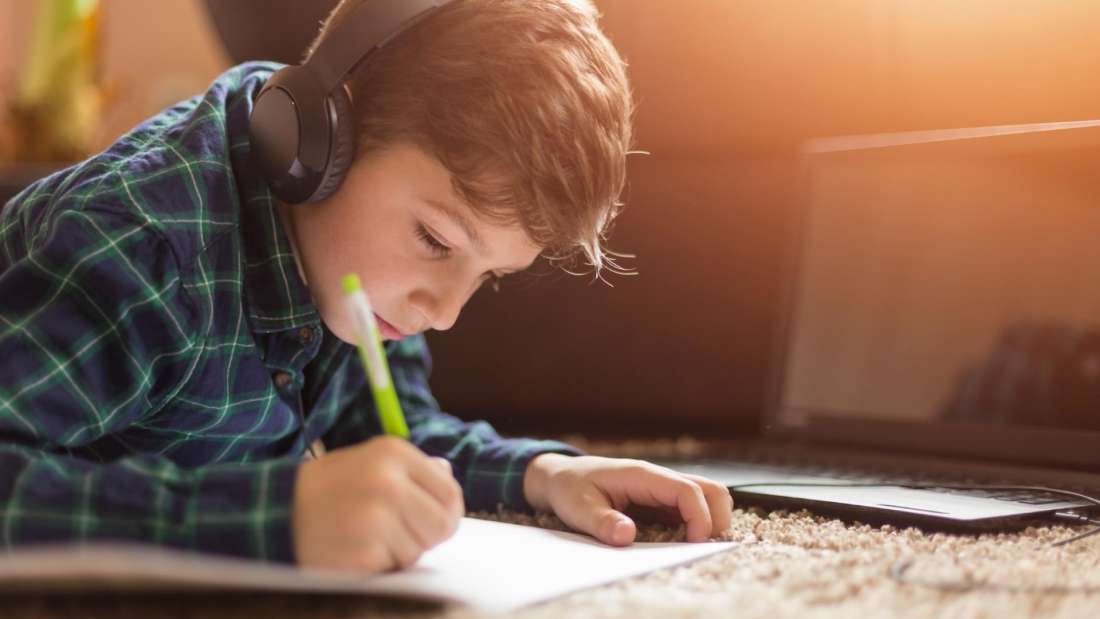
(613, 527)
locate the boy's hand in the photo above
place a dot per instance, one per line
(372, 507)
(589, 493)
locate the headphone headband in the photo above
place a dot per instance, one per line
(369, 27)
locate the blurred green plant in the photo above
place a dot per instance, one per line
(55, 110)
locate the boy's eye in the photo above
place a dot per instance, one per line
(431, 242)
(441, 250)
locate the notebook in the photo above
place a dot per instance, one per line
(491, 566)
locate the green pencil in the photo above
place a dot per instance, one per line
(374, 359)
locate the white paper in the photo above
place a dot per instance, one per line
(491, 566)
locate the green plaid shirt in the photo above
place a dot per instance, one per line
(162, 365)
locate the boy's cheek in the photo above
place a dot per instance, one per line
(333, 320)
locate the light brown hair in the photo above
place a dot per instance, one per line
(525, 102)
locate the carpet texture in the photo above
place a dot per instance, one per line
(786, 565)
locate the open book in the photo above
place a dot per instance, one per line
(490, 566)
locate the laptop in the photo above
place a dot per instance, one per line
(942, 329)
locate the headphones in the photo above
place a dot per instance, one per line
(302, 131)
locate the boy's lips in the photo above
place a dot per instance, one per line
(388, 331)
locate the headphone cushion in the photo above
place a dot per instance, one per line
(341, 148)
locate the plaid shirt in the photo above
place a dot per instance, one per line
(159, 352)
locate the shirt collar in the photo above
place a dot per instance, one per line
(276, 296)
(278, 299)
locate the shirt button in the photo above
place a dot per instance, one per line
(305, 335)
(282, 379)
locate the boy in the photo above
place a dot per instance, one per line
(174, 338)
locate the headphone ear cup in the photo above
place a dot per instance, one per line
(342, 146)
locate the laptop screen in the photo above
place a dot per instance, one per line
(948, 280)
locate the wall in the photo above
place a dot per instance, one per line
(715, 76)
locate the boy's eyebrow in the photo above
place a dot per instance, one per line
(460, 220)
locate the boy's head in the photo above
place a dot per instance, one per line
(516, 112)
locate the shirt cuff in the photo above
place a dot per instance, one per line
(260, 529)
(500, 484)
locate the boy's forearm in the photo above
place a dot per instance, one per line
(235, 509)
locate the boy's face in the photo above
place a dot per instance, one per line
(389, 224)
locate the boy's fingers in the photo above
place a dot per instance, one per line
(663, 487)
(588, 509)
(615, 528)
(605, 523)
(442, 486)
(375, 558)
(720, 502)
(403, 545)
(430, 522)
(397, 549)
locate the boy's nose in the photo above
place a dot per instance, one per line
(446, 304)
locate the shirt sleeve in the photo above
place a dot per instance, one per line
(97, 333)
(489, 468)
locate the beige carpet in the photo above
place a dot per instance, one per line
(787, 565)
(799, 565)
